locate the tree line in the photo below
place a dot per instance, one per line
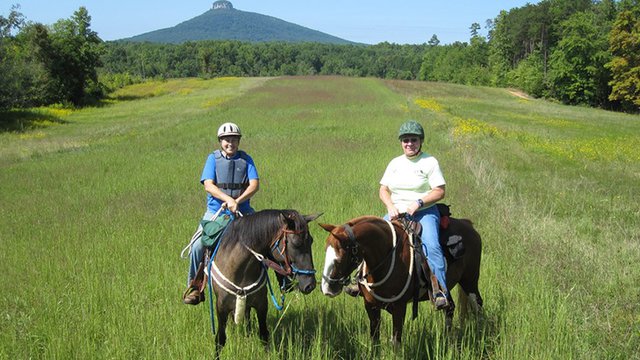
(42, 65)
(579, 52)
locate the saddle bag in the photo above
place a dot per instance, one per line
(212, 230)
(449, 241)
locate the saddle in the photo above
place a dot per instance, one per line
(451, 244)
(212, 231)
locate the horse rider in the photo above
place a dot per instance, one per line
(413, 183)
(230, 179)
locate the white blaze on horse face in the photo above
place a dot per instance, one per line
(329, 261)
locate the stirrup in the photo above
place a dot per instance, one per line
(440, 301)
(192, 296)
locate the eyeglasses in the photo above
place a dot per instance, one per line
(409, 140)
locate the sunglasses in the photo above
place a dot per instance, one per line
(231, 138)
(409, 140)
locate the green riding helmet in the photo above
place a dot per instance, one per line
(411, 127)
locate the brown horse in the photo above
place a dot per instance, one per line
(388, 279)
(279, 239)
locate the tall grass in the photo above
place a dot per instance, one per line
(95, 211)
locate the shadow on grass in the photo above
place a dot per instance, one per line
(472, 338)
(111, 99)
(129, 97)
(24, 120)
(302, 328)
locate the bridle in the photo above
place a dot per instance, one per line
(282, 264)
(279, 252)
(362, 278)
(351, 248)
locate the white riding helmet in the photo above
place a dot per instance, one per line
(229, 129)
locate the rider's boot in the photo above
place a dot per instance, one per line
(192, 296)
(439, 298)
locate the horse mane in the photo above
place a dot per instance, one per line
(259, 229)
(364, 218)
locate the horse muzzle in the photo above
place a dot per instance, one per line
(306, 284)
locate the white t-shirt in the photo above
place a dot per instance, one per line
(410, 179)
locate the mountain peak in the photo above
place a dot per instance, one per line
(222, 4)
(224, 22)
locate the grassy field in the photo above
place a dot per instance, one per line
(96, 205)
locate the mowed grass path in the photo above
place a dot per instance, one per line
(94, 213)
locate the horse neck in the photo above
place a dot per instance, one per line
(237, 263)
(375, 240)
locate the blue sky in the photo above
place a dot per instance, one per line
(370, 22)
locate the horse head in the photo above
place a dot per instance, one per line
(342, 257)
(293, 250)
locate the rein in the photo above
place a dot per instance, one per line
(289, 269)
(361, 279)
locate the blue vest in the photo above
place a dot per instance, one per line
(231, 174)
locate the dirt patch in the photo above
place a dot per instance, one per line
(519, 94)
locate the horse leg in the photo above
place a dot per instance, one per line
(448, 315)
(470, 287)
(221, 336)
(398, 314)
(261, 311)
(374, 322)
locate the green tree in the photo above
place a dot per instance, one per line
(11, 66)
(72, 55)
(474, 28)
(434, 41)
(529, 75)
(624, 44)
(577, 74)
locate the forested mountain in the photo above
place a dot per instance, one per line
(579, 52)
(227, 23)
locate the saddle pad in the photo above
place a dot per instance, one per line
(213, 230)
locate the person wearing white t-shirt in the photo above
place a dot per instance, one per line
(413, 183)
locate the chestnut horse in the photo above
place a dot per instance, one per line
(279, 239)
(388, 279)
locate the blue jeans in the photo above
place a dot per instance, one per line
(197, 251)
(429, 218)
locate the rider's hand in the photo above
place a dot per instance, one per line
(231, 205)
(393, 212)
(413, 208)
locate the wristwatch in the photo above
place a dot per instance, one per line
(420, 202)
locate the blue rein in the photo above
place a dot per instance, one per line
(294, 271)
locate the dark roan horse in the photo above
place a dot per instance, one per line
(278, 239)
(388, 280)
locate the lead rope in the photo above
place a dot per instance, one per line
(261, 259)
(215, 251)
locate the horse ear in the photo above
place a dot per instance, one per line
(327, 227)
(288, 219)
(310, 218)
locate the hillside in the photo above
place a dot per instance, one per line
(233, 24)
(97, 206)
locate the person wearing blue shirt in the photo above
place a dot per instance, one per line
(230, 179)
